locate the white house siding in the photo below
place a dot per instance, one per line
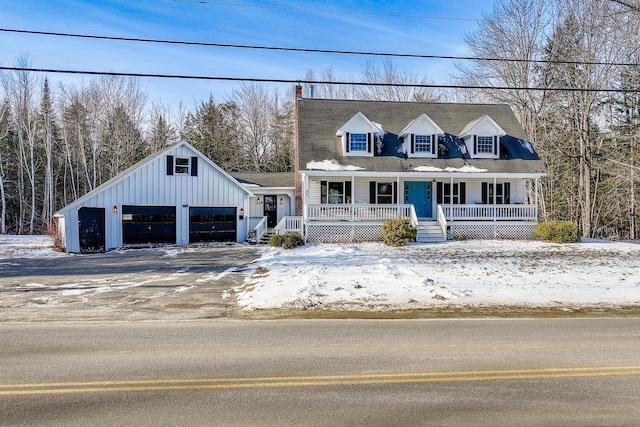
(360, 190)
(149, 185)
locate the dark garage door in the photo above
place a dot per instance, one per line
(212, 224)
(91, 230)
(148, 224)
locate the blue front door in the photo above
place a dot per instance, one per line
(418, 194)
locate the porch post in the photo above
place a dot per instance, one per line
(353, 198)
(305, 193)
(451, 192)
(495, 185)
(535, 189)
(353, 189)
(398, 197)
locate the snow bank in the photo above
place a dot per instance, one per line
(453, 273)
(27, 246)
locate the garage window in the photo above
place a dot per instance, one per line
(182, 165)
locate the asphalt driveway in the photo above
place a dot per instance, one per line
(167, 283)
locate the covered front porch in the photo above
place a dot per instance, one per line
(352, 207)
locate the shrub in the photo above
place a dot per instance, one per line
(286, 241)
(557, 232)
(398, 232)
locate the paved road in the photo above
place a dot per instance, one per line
(560, 372)
(168, 283)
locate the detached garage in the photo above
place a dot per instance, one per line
(177, 196)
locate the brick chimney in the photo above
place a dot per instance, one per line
(296, 153)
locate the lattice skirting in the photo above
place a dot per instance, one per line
(343, 233)
(490, 231)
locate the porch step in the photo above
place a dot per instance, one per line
(429, 232)
(265, 239)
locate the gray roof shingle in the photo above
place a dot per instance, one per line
(319, 119)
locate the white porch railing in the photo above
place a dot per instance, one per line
(257, 228)
(289, 224)
(359, 212)
(490, 212)
(442, 221)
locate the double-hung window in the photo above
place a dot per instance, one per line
(456, 195)
(422, 144)
(485, 145)
(500, 195)
(384, 193)
(335, 193)
(358, 142)
(182, 165)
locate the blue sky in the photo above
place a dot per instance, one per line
(381, 26)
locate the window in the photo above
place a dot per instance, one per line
(335, 192)
(485, 145)
(501, 195)
(182, 165)
(385, 193)
(456, 197)
(422, 144)
(358, 142)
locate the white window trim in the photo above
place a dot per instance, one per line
(181, 169)
(486, 144)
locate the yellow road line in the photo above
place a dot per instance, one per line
(306, 381)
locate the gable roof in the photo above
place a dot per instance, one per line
(358, 116)
(422, 116)
(122, 175)
(319, 119)
(472, 124)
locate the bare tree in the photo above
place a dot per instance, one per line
(20, 87)
(514, 30)
(391, 80)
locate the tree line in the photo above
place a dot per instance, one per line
(58, 143)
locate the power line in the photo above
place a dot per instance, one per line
(310, 50)
(318, 82)
(331, 11)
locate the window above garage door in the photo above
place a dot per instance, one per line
(187, 166)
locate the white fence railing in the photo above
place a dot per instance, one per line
(490, 212)
(359, 212)
(289, 224)
(257, 228)
(442, 220)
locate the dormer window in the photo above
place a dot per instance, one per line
(422, 144)
(485, 145)
(421, 137)
(358, 142)
(358, 136)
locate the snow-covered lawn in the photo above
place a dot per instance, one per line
(480, 273)
(27, 246)
(373, 276)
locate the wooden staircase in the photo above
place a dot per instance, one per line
(429, 232)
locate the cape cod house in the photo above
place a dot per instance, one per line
(453, 170)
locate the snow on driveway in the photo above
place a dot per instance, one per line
(475, 272)
(372, 276)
